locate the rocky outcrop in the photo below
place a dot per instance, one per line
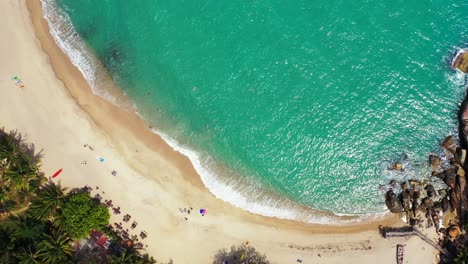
(392, 202)
(434, 162)
(461, 61)
(463, 123)
(396, 166)
(449, 144)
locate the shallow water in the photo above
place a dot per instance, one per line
(306, 102)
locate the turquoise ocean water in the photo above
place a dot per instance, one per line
(282, 102)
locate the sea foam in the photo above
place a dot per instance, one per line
(69, 41)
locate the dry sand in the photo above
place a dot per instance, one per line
(57, 112)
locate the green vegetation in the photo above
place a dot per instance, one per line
(19, 172)
(55, 248)
(39, 221)
(81, 215)
(462, 257)
(49, 199)
(242, 254)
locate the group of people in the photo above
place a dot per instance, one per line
(186, 211)
(101, 159)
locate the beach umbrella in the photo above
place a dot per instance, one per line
(57, 173)
(202, 211)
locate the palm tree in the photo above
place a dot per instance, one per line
(26, 256)
(126, 257)
(24, 229)
(9, 152)
(49, 199)
(55, 248)
(6, 246)
(17, 181)
(19, 172)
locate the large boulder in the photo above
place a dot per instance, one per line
(463, 123)
(430, 191)
(392, 202)
(461, 61)
(428, 202)
(396, 166)
(434, 162)
(449, 144)
(460, 154)
(454, 199)
(450, 179)
(453, 231)
(445, 204)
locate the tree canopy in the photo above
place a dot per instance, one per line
(49, 199)
(39, 222)
(242, 254)
(81, 214)
(19, 171)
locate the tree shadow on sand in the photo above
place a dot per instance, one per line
(15, 141)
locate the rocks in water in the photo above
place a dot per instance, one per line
(393, 183)
(396, 166)
(430, 191)
(449, 144)
(450, 179)
(460, 156)
(392, 202)
(406, 197)
(445, 204)
(404, 186)
(440, 175)
(434, 162)
(461, 61)
(414, 183)
(428, 202)
(463, 122)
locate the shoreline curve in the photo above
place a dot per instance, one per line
(150, 184)
(188, 160)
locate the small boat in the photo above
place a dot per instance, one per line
(399, 253)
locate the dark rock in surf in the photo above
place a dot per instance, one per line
(430, 191)
(434, 162)
(396, 166)
(392, 202)
(449, 144)
(461, 61)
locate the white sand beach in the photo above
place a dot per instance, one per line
(57, 111)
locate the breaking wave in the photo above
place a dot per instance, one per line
(68, 39)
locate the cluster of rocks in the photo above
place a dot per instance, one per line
(444, 207)
(415, 197)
